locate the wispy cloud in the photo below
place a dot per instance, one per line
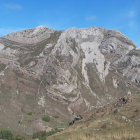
(132, 13)
(132, 18)
(91, 18)
(4, 31)
(13, 6)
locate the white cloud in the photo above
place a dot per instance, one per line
(13, 6)
(132, 13)
(91, 18)
(132, 16)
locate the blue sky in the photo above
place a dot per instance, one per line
(122, 15)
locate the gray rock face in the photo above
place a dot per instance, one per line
(63, 73)
(30, 36)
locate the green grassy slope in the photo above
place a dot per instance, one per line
(109, 123)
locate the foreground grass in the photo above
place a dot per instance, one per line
(93, 136)
(119, 136)
(123, 125)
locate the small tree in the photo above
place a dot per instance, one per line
(29, 113)
(39, 134)
(56, 116)
(5, 134)
(46, 118)
(19, 138)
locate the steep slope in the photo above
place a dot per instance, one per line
(63, 73)
(30, 36)
(116, 121)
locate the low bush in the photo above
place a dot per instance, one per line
(19, 138)
(56, 116)
(43, 134)
(46, 118)
(5, 134)
(29, 113)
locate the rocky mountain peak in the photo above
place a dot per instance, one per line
(40, 29)
(41, 26)
(30, 36)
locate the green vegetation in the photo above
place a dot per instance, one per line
(93, 136)
(29, 113)
(19, 138)
(26, 61)
(56, 116)
(5, 134)
(46, 118)
(40, 46)
(107, 124)
(43, 134)
(70, 95)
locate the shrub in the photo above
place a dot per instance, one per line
(40, 134)
(53, 131)
(5, 134)
(56, 116)
(46, 118)
(104, 126)
(43, 134)
(19, 138)
(29, 113)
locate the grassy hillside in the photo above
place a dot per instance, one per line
(113, 122)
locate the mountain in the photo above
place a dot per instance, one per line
(48, 77)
